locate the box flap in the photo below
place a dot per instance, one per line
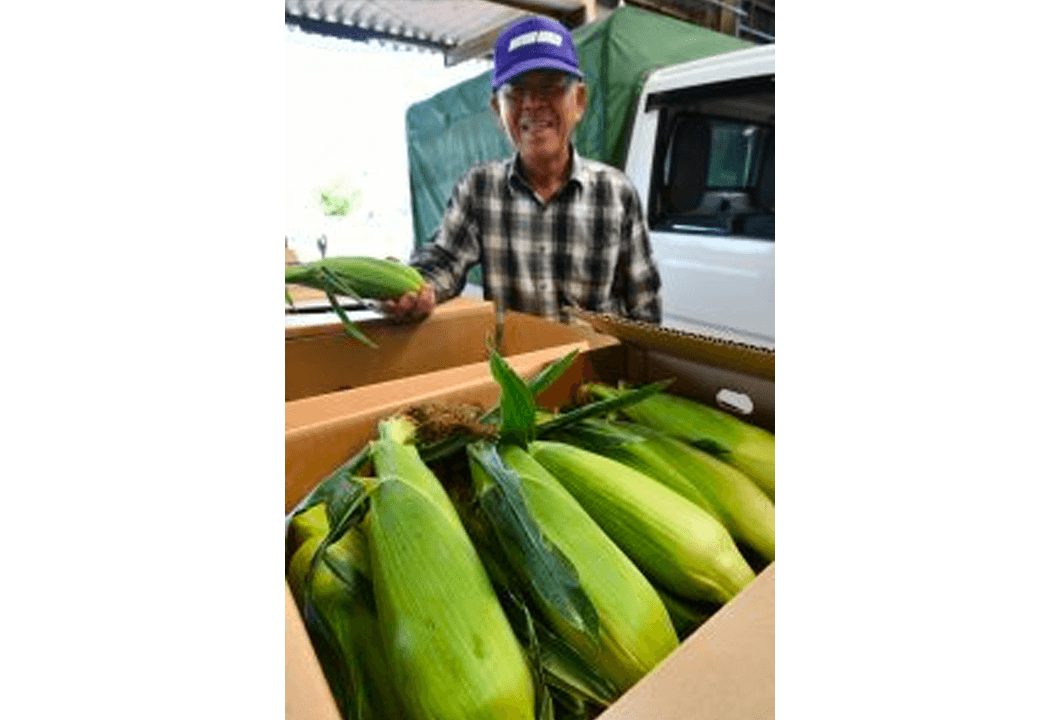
(306, 692)
(726, 670)
(718, 350)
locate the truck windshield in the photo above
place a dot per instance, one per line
(716, 173)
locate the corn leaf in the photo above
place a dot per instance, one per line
(348, 508)
(332, 660)
(565, 670)
(544, 379)
(548, 575)
(351, 329)
(338, 283)
(446, 446)
(595, 433)
(516, 403)
(521, 617)
(439, 449)
(601, 407)
(333, 484)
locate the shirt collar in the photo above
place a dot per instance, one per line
(578, 171)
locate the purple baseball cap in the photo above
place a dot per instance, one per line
(536, 43)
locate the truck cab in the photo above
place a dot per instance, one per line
(701, 154)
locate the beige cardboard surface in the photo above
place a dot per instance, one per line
(724, 671)
(325, 360)
(306, 692)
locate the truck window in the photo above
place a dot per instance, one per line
(714, 160)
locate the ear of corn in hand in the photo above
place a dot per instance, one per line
(673, 541)
(342, 595)
(367, 277)
(448, 641)
(748, 448)
(635, 632)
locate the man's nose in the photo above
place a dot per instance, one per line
(535, 96)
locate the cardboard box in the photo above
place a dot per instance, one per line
(725, 669)
(324, 359)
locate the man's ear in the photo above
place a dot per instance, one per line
(581, 99)
(497, 117)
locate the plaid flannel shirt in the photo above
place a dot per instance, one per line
(588, 247)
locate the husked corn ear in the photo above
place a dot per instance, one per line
(674, 542)
(342, 594)
(449, 643)
(635, 629)
(746, 447)
(369, 277)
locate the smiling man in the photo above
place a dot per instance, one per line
(552, 230)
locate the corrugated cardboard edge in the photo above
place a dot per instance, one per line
(712, 349)
(456, 306)
(725, 670)
(306, 692)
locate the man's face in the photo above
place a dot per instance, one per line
(539, 110)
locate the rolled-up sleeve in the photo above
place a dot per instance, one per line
(456, 245)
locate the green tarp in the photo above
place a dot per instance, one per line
(455, 129)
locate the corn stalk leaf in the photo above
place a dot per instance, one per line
(544, 379)
(351, 329)
(440, 449)
(521, 617)
(548, 575)
(346, 509)
(332, 660)
(596, 433)
(516, 403)
(601, 407)
(332, 484)
(574, 682)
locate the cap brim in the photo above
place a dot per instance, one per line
(535, 64)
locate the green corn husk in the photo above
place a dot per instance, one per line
(577, 687)
(674, 542)
(448, 641)
(356, 276)
(635, 632)
(725, 492)
(746, 447)
(342, 596)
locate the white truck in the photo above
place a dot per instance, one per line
(701, 154)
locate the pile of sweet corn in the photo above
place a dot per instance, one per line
(553, 569)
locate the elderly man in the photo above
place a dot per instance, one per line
(551, 229)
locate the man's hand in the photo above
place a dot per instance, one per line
(412, 306)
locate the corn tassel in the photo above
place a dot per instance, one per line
(673, 541)
(746, 447)
(342, 594)
(448, 641)
(635, 630)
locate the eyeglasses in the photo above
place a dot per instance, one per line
(552, 88)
